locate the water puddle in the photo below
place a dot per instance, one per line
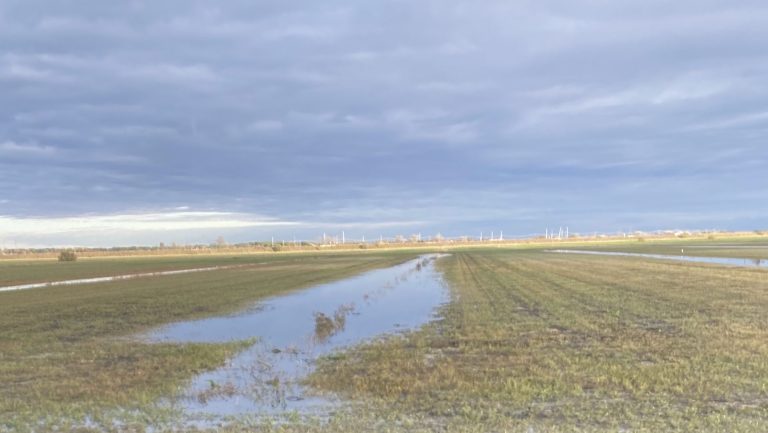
(114, 278)
(294, 330)
(730, 261)
(729, 247)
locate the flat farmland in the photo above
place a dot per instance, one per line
(13, 272)
(529, 341)
(536, 341)
(747, 248)
(67, 353)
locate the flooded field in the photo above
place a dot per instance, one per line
(527, 341)
(730, 261)
(292, 331)
(113, 278)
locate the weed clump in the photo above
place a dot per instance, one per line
(67, 256)
(327, 326)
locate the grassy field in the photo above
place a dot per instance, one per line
(542, 342)
(14, 272)
(749, 248)
(531, 342)
(63, 351)
(23, 271)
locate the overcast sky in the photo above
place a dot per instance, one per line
(137, 122)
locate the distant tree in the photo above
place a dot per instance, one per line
(220, 242)
(67, 256)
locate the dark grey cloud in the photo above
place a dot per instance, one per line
(391, 116)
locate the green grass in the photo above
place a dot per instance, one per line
(541, 342)
(756, 248)
(14, 272)
(531, 342)
(66, 352)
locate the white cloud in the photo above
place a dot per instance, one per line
(739, 121)
(139, 130)
(689, 88)
(447, 87)
(457, 47)
(18, 67)
(11, 147)
(71, 25)
(264, 126)
(301, 32)
(160, 221)
(564, 101)
(173, 73)
(433, 125)
(373, 225)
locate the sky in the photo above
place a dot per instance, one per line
(139, 122)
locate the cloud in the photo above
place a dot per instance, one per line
(20, 68)
(173, 73)
(300, 31)
(301, 109)
(166, 221)
(738, 121)
(32, 149)
(179, 223)
(434, 125)
(265, 126)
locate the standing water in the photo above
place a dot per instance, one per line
(294, 330)
(731, 261)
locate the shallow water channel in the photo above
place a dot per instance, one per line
(294, 330)
(730, 261)
(116, 278)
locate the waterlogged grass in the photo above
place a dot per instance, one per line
(542, 342)
(66, 353)
(532, 342)
(13, 272)
(750, 248)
